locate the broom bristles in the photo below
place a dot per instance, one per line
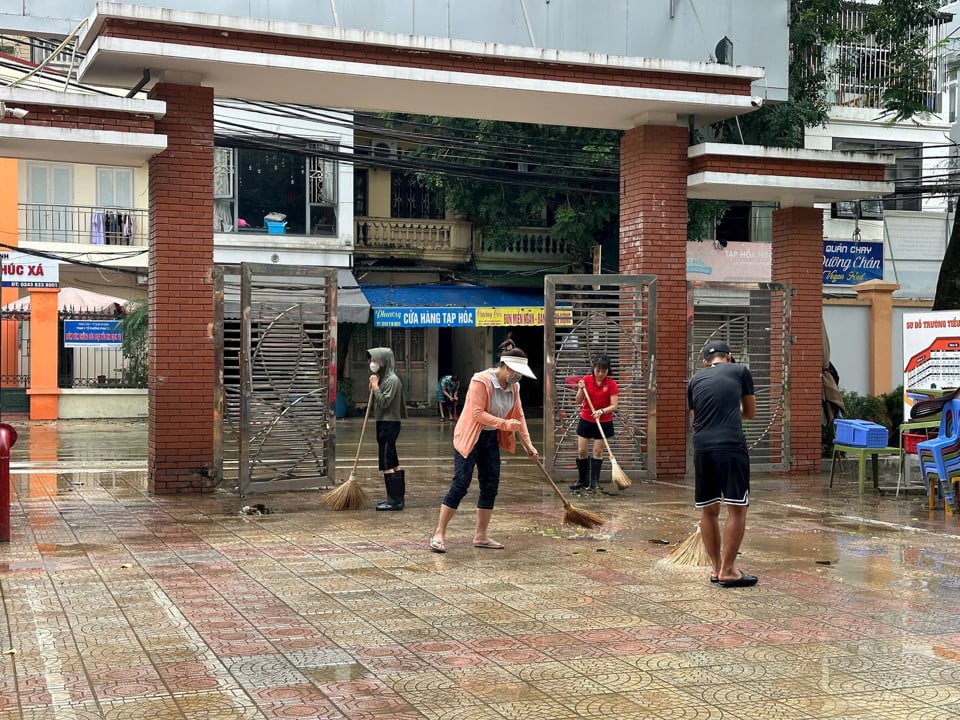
(620, 478)
(691, 552)
(581, 518)
(346, 496)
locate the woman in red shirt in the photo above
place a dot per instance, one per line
(603, 392)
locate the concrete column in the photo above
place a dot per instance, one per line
(180, 399)
(797, 260)
(44, 388)
(653, 241)
(878, 294)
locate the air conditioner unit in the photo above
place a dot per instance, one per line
(386, 149)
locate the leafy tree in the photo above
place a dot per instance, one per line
(135, 325)
(504, 176)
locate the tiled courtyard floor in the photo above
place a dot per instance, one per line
(119, 604)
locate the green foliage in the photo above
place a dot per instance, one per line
(703, 216)
(903, 24)
(814, 27)
(135, 325)
(886, 410)
(562, 178)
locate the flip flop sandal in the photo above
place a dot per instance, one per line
(436, 546)
(488, 545)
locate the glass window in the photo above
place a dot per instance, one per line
(256, 183)
(115, 187)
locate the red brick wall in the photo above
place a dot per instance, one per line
(180, 431)
(83, 119)
(418, 58)
(869, 172)
(653, 241)
(797, 260)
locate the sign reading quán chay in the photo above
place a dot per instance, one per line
(851, 262)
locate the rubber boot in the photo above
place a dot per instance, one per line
(583, 474)
(396, 488)
(595, 466)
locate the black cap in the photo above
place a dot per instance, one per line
(716, 346)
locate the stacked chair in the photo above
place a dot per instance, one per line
(940, 457)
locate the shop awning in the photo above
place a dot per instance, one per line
(453, 306)
(352, 305)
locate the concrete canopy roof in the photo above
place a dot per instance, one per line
(25, 140)
(786, 176)
(120, 61)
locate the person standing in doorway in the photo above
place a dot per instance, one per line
(389, 408)
(603, 393)
(720, 397)
(448, 396)
(492, 413)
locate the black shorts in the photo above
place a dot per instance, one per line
(589, 429)
(722, 476)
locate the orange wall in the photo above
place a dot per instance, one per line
(9, 235)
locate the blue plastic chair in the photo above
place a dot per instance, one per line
(940, 457)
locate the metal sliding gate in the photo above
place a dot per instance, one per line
(587, 315)
(276, 336)
(754, 318)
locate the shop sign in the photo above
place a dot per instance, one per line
(851, 262)
(92, 333)
(21, 270)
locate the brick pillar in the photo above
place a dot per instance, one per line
(797, 260)
(180, 432)
(653, 241)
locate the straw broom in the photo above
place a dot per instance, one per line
(349, 495)
(620, 478)
(571, 515)
(690, 552)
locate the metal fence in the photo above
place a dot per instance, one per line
(16, 362)
(83, 224)
(90, 367)
(754, 318)
(615, 317)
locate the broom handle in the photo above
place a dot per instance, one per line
(550, 480)
(597, 421)
(363, 427)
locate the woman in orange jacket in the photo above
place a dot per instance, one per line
(491, 414)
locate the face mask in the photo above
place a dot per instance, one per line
(374, 367)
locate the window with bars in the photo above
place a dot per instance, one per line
(250, 184)
(412, 197)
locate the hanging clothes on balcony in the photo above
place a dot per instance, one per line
(113, 227)
(96, 228)
(128, 228)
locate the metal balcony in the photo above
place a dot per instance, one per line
(83, 225)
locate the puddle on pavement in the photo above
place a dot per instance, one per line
(336, 673)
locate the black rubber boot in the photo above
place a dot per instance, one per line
(595, 466)
(396, 488)
(583, 474)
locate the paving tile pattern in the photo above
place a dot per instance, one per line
(120, 605)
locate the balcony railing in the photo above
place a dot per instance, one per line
(434, 240)
(83, 225)
(530, 246)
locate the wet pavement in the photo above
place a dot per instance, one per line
(119, 604)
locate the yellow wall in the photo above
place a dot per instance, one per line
(379, 189)
(85, 184)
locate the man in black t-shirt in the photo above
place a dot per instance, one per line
(720, 396)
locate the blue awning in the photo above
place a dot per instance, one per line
(453, 306)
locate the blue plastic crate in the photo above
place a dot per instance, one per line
(276, 228)
(861, 433)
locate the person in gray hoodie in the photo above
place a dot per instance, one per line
(389, 408)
